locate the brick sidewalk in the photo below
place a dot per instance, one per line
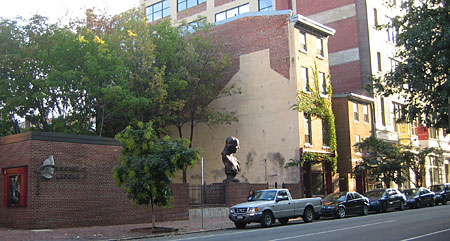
(113, 232)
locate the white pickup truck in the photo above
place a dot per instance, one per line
(270, 204)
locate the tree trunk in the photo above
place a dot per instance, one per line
(153, 215)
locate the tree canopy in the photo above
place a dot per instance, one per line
(97, 75)
(421, 76)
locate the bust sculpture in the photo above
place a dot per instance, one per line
(232, 165)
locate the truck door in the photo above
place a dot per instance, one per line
(284, 206)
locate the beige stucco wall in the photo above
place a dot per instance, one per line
(267, 127)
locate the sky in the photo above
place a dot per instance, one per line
(63, 10)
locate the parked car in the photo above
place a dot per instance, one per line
(419, 197)
(442, 193)
(381, 200)
(341, 204)
(270, 204)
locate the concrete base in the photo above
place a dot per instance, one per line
(195, 214)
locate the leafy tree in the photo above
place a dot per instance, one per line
(194, 63)
(416, 163)
(383, 161)
(147, 164)
(54, 78)
(421, 76)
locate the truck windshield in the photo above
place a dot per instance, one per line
(264, 196)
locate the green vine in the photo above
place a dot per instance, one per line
(314, 105)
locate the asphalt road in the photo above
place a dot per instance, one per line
(430, 223)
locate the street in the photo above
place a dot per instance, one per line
(412, 224)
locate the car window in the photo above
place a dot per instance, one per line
(349, 196)
(357, 195)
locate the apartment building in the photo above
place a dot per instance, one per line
(359, 50)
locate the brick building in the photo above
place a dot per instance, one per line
(82, 191)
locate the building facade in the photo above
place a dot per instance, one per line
(359, 50)
(273, 55)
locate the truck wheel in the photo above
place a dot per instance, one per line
(267, 219)
(240, 225)
(283, 221)
(308, 215)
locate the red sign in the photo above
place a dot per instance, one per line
(422, 133)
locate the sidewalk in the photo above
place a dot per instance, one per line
(116, 232)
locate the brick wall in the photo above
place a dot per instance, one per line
(82, 192)
(255, 33)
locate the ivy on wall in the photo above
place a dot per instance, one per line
(315, 105)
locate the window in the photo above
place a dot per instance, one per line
(319, 43)
(308, 134)
(357, 139)
(302, 40)
(322, 83)
(355, 112)
(379, 61)
(432, 133)
(325, 135)
(305, 78)
(383, 112)
(192, 26)
(366, 113)
(397, 114)
(265, 5)
(185, 4)
(15, 185)
(158, 10)
(232, 12)
(375, 16)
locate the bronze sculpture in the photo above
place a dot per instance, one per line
(232, 164)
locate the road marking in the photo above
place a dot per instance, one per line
(259, 229)
(425, 235)
(334, 230)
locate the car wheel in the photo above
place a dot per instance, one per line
(432, 203)
(444, 201)
(365, 210)
(341, 213)
(308, 215)
(240, 225)
(402, 206)
(283, 221)
(267, 219)
(383, 207)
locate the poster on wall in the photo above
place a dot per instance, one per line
(15, 186)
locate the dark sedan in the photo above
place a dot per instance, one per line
(419, 197)
(442, 193)
(382, 200)
(341, 204)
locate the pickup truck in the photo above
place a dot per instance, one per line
(270, 204)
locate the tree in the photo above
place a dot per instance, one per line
(422, 73)
(147, 164)
(54, 77)
(196, 64)
(383, 161)
(416, 163)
